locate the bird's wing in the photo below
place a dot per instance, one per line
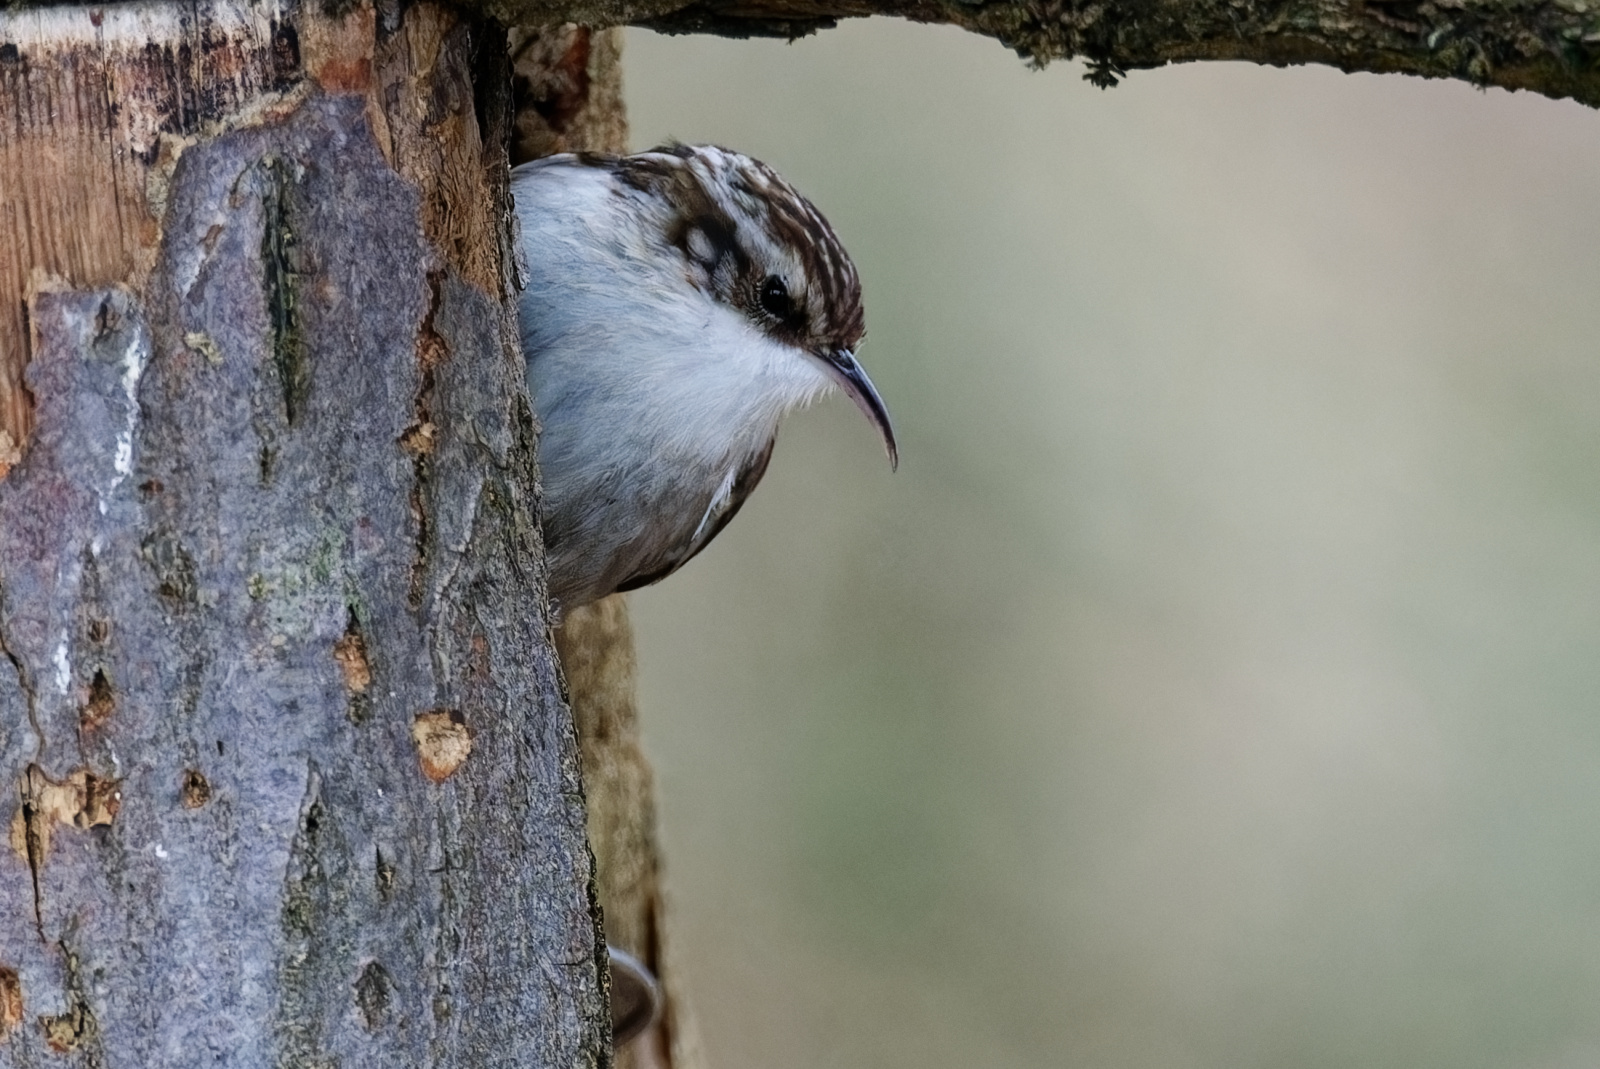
(725, 503)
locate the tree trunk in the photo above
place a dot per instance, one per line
(293, 781)
(596, 646)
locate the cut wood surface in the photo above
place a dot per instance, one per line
(292, 782)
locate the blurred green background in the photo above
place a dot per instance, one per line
(1218, 682)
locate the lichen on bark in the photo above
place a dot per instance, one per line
(1550, 47)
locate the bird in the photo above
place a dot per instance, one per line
(676, 304)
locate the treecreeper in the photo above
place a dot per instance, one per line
(676, 305)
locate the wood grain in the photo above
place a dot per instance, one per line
(98, 104)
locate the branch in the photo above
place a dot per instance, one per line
(1546, 46)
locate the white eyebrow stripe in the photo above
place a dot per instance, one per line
(700, 247)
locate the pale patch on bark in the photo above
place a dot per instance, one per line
(443, 743)
(81, 800)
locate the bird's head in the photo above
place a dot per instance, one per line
(750, 241)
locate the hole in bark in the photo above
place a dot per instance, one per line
(372, 994)
(102, 703)
(383, 876)
(351, 653)
(10, 1001)
(63, 1032)
(443, 742)
(196, 790)
(29, 838)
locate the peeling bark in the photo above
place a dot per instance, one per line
(274, 507)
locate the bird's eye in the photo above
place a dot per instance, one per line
(775, 297)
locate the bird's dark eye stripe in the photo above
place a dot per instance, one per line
(774, 297)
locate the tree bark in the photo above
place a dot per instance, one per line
(1551, 47)
(597, 653)
(292, 782)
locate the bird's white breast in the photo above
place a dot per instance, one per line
(650, 392)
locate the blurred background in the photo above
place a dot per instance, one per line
(1218, 682)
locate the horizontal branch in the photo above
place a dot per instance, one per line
(1547, 46)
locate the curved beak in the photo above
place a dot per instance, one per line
(844, 367)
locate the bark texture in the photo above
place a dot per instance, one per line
(291, 779)
(597, 653)
(567, 88)
(568, 91)
(1547, 46)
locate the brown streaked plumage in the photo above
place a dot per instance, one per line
(678, 303)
